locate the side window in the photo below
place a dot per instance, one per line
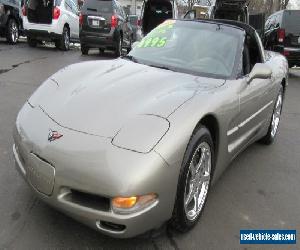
(74, 7)
(57, 3)
(272, 22)
(114, 7)
(252, 53)
(68, 5)
(118, 9)
(122, 11)
(277, 22)
(267, 25)
(280, 17)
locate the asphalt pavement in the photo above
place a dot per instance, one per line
(259, 190)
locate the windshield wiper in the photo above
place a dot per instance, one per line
(130, 58)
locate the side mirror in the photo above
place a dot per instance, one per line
(259, 71)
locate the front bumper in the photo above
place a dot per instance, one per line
(80, 173)
(42, 35)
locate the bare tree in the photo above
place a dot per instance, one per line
(190, 3)
(267, 6)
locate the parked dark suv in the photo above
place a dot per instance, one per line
(282, 34)
(11, 25)
(103, 24)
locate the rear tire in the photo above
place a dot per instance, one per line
(118, 51)
(273, 127)
(65, 39)
(12, 34)
(194, 181)
(32, 42)
(84, 50)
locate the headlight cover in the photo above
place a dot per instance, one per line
(142, 133)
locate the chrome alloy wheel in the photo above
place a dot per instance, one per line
(276, 115)
(197, 181)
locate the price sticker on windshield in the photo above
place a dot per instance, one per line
(153, 42)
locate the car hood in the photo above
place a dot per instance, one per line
(98, 97)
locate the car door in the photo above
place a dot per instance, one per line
(256, 104)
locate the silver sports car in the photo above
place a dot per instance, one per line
(129, 144)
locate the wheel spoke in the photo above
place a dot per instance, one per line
(276, 115)
(190, 195)
(196, 200)
(205, 177)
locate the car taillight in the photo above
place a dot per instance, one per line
(80, 19)
(281, 35)
(24, 11)
(56, 13)
(114, 21)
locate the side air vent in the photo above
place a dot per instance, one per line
(87, 200)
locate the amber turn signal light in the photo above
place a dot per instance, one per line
(127, 205)
(121, 202)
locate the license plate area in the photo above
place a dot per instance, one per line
(40, 174)
(96, 22)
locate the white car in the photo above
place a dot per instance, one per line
(51, 20)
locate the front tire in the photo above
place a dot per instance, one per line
(194, 181)
(273, 127)
(12, 35)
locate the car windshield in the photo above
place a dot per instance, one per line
(199, 48)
